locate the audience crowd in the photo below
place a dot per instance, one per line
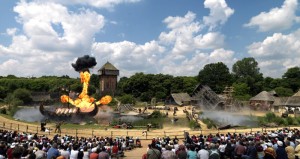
(279, 144)
(14, 145)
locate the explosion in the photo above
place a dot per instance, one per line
(84, 101)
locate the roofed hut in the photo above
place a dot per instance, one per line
(293, 102)
(181, 99)
(262, 101)
(279, 103)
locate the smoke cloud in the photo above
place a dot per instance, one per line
(84, 63)
(223, 118)
(29, 115)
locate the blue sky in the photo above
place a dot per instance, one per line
(43, 37)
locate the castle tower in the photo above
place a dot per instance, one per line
(108, 79)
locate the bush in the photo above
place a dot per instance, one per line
(209, 123)
(193, 124)
(270, 117)
(3, 111)
(156, 114)
(127, 99)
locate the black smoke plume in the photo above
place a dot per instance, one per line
(84, 63)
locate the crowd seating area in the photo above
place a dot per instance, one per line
(279, 144)
(14, 145)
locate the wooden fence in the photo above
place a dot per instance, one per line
(142, 134)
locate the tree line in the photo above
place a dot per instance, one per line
(245, 77)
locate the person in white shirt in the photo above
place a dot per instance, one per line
(203, 153)
(74, 152)
(222, 149)
(64, 151)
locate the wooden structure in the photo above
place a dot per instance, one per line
(181, 99)
(206, 98)
(228, 98)
(108, 75)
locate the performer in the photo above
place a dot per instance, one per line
(43, 124)
(57, 126)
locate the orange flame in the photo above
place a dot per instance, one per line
(105, 100)
(84, 102)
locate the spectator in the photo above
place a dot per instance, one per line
(289, 150)
(251, 152)
(74, 152)
(64, 151)
(192, 154)
(239, 150)
(280, 152)
(181, 152)
(153, 152)
(269, 151)
(53, 152)
(103, 154)
(168, 153)
(203, 153)
(213, 152)
(95, 153)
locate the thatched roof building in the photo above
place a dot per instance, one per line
(181, 98)
(263, 96)
(280, 101)
(262, 101)
(294, 101)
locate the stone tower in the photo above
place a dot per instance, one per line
(108, 75)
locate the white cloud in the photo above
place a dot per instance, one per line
(11, 31)
(219, 13)
(129, 56)
(192, 66)
(108, 4)
(52, 37)
(185, 35)
(39, 21)
(277, 18)
(277, 53)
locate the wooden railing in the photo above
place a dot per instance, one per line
(142, 134)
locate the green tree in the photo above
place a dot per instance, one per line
(241, 91)
(292, 78)
(247, 71)
(216, 76)
(284, 92)
(127, 99)
(23, 95)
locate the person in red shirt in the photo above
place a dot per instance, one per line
(95, 154)
(10, 150)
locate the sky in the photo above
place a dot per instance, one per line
(175, 37)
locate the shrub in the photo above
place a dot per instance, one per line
(156, 114)
(270, 116)
(193, 124)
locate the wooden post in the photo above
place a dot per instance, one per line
(111, 134)
(3, 124)
(92, 132)
(26, 128)
(10, 126)
(126, 133)
(18, 128)
(164, 133)
(37, 129)
(146, 134)
(76, 133)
